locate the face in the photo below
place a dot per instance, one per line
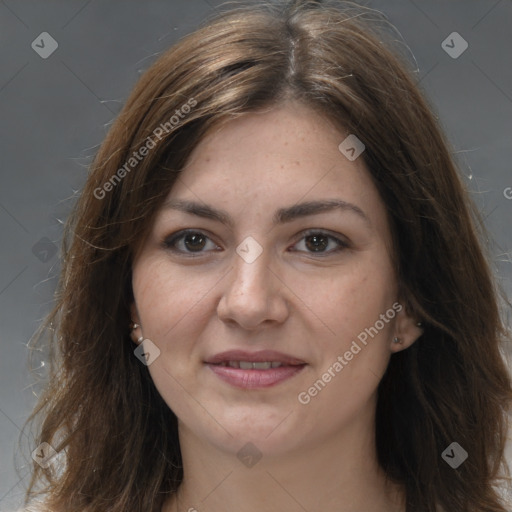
(246, 268)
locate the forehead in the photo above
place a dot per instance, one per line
(270, 159)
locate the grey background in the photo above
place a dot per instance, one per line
(55, 112)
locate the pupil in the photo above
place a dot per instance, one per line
(191, 241)
(316, 244)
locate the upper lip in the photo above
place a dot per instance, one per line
(254, 357)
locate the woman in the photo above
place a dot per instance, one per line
(274, 296)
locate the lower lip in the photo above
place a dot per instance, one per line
(251, 379)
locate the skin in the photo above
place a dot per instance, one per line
(311, 305)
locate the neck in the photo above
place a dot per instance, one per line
(336, 474)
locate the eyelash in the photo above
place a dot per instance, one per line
(170, 242)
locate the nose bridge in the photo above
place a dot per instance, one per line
(251, 271)
(252, 295)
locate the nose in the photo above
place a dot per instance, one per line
(254, 295)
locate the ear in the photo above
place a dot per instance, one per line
(134, 315)
(136, 333)
(407, 330)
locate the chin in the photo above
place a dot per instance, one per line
(268, 430)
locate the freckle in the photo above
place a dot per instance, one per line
(282, 166)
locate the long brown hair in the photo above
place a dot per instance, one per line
(100, 406)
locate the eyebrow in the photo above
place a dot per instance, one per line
(283, 215)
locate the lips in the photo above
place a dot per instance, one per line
(263, 356)
(254, 370)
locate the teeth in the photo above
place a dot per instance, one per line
(262, 366)
(249, 365)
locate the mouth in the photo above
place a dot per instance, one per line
(235, 358)
(254, 370)
(248, 365)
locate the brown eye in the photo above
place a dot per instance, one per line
(194, 241)
(188, 242)
(319, 241)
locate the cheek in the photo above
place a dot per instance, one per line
(163, 303)
(166, 296)
(170, 304)
(354, 350)
(350, 307)
(350, 300)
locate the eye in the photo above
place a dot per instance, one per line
(318, 241)
(189, 241)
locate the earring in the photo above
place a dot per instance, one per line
(397, 340)
(133, 327)
(419, 324)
